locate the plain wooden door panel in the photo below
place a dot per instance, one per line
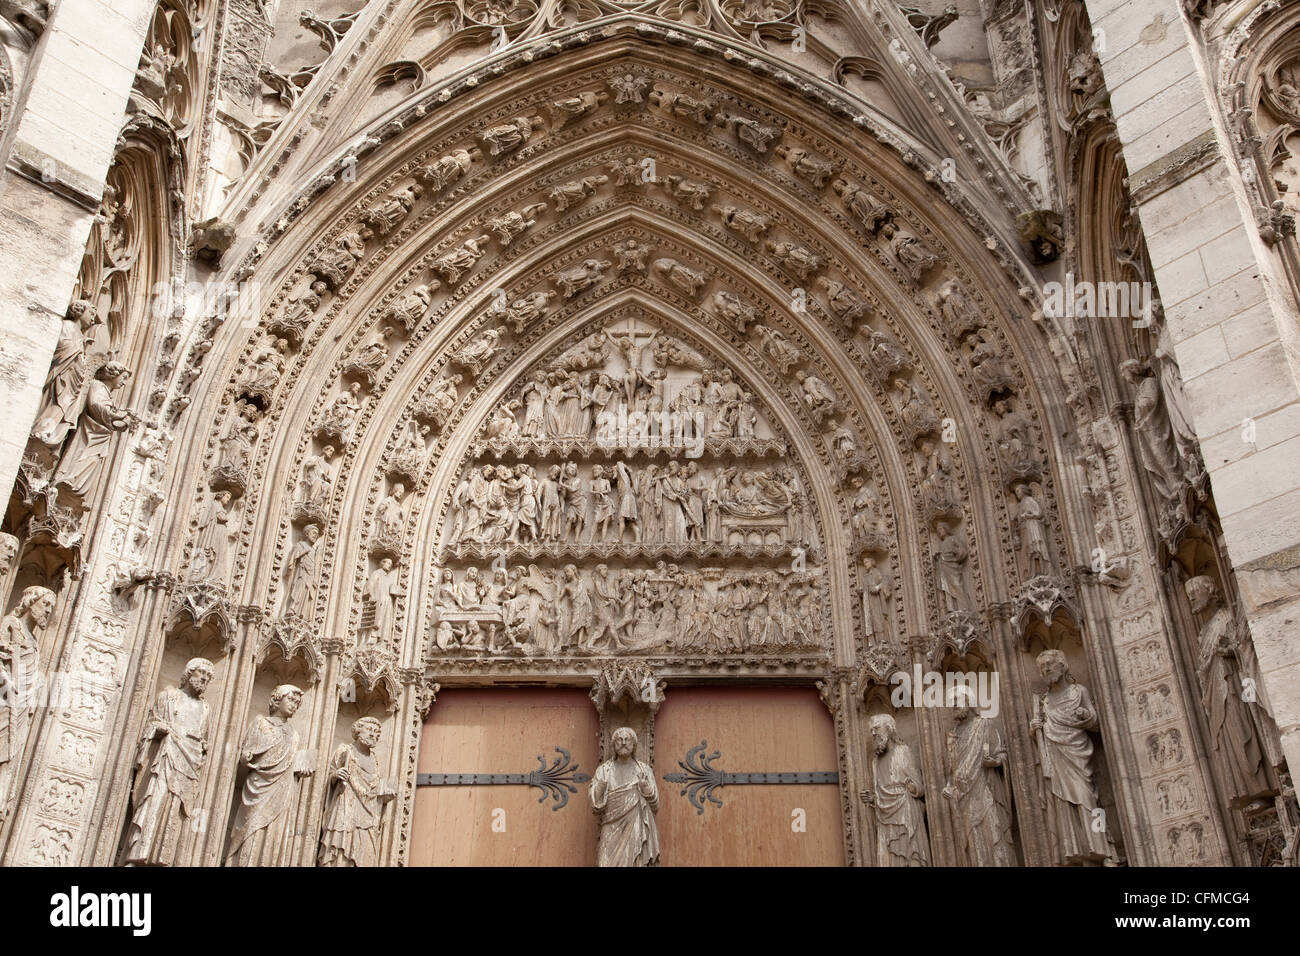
(757, 730)
(504, 731)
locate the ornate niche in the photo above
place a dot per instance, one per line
(629, 496)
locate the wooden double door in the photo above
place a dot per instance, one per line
(477, 806)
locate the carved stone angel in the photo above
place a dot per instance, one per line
(527, 309)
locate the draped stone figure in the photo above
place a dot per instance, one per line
(897, 795)
(877, 604)
(67, 375)
(1033, 539)
(355, 800)
(1233, 737)
(263, 833)
(20, 676)
(980, 799)
(211, 560)
(81, 464)
(1063, 716)
(383, 587)
(300, 590)
(625, 798)
(951, 554)
(173, 750)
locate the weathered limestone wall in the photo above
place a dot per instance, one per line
(1230, 313)
(57, 156)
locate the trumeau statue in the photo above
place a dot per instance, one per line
(979, 794)
(1233, 736)
(897, 795)
(173, 750)
(625, 798)
(266, 815)
(1063, 717)
(21, 677)
(355, 799)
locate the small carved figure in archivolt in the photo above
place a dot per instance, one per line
(507, 137)
(952, 576)
(806, 165)
(582, 277)
(480, 351)
(515, 223)
(567, 195)
(570, 109)
(914, 256)
(688, 191)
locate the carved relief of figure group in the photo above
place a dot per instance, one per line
(666, 609)
(628, 502)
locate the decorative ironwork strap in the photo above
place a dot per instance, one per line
(556, 781)
(702, 778)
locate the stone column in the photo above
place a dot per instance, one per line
(57, 156)
(1230, 314)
